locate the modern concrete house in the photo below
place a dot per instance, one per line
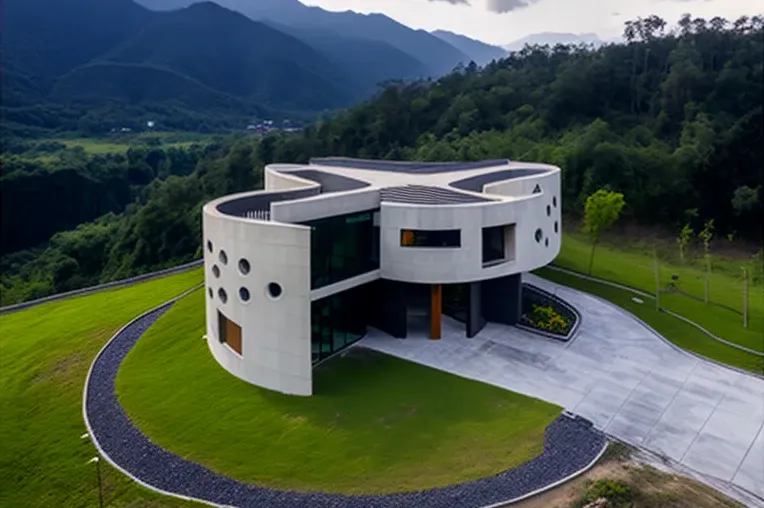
(298, 271)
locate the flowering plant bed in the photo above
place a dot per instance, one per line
(546, 313)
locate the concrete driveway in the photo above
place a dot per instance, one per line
(621, 376)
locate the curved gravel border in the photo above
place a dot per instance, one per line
(571, 446)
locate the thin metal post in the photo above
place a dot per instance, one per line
(657, 281)
(745, 298)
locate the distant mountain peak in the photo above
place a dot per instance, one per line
(478, 51)
(552, 38)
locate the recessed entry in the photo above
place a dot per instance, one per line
(274, 290)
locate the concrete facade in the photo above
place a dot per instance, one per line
(272, 231)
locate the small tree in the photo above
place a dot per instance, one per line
(707, 236)
(683, 240)
(601, 211)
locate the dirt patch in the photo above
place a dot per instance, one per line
(61, 369)
(651, 488)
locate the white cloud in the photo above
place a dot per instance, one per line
(502, 6)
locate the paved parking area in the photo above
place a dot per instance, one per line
(621, 376)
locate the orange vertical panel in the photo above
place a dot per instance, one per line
(436, 306)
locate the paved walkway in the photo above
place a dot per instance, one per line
(622, 377)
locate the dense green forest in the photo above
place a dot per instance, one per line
(672, 119)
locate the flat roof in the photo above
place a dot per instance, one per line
(427, 195)
(406, 166)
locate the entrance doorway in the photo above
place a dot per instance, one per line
(424, 310)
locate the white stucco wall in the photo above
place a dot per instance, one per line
(276, 350)
(465, 263)
(284, 181)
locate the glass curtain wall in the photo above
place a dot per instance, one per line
(338, 320)
(342, 247)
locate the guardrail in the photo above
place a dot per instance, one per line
(100, 287)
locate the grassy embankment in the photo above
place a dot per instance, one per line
(633, 266)
(374, 424)
(45, 353)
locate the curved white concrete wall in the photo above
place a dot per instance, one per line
(275, 180)
(276, 350)
(465, 263)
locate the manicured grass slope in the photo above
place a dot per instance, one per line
(45, 353)
(375, 423)
(634, 268)
(678, 332)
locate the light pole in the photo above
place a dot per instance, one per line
(98, 474)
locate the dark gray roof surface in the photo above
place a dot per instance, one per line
(476, 183)
(404, 166)
(427, 195)
(330, 182)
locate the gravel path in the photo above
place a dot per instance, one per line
(570, 444)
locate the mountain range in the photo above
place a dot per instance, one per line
(196, 60)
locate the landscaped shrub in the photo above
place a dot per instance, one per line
(544, 312)
(615, 494)
(547, 319)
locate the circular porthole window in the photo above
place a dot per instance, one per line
(222, 295)
(244, 266)
(546, 242)
(274, 290)
(556, 227)
(538, 235)
(548, 210)
(216, 271)
(209, 290)
(209, 245)
(244, 294)
(223, 257)
(554, 201)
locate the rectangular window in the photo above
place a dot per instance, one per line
(342, 247)
(338, 321)
(498, 244)
(229, 333)
(449, 238)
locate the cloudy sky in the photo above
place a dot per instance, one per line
(504, 21)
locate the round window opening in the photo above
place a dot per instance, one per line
(554, 201)
(222, 295)
(223, 257)
(209, 245)
(244, 294)
(216, 271)
(244, 266)
(538, 235)
(275, 290)
(548, 210)
(209, 290)
(546, 242)
(556, 227)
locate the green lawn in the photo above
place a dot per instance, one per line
(675, 330)
(374, 424)
(634, 268)
(45, 353)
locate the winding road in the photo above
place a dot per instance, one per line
(621, 375)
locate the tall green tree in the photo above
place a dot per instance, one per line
(602, 210)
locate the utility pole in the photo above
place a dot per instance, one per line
(745, 298)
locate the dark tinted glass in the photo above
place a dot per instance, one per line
(441, 238)
(342, 247)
